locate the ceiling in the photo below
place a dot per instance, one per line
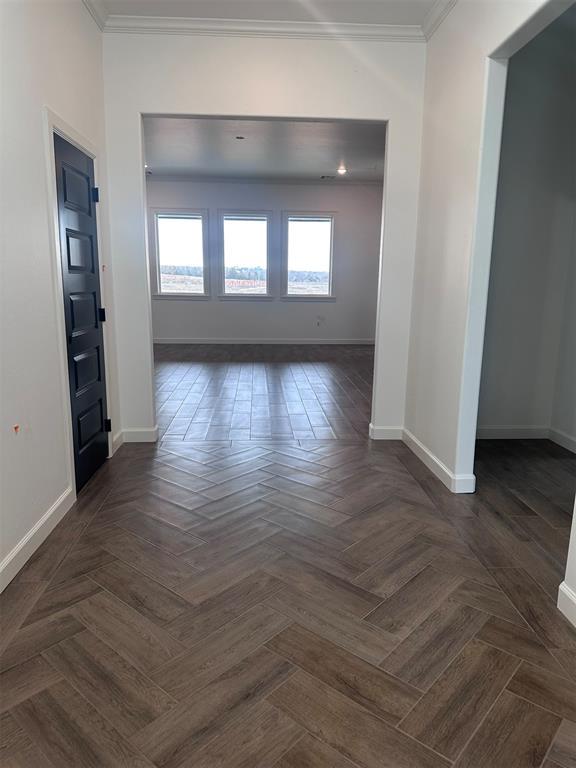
(393, 12)
(284, 150)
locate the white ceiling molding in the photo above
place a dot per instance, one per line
(98, 12)
(313, 30)
(436, 16)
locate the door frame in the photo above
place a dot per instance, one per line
(480, 263)
(54, 124)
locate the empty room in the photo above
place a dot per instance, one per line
(287, 465)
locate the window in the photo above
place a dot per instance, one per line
(309, 256)
(180, 241)
(245, 254)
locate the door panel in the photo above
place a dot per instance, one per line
(82, 300)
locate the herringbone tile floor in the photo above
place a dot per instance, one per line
(297, 604)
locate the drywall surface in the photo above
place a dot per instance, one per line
(351, 316)
(443, 297)
(528, 380)
(51, 57)
(258, 77)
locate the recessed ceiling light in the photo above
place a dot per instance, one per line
(342, 171)
(145, 166)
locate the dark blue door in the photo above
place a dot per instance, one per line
(82, 307)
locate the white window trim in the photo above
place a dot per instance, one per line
(306, 297)
(204, 214)
(255, 214)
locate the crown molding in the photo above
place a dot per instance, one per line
(98, 12)
(436, 16)
(251, 28)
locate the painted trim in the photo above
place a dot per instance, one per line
(300, 30)
(116, 442)
(464, 483)
(23, 551)
(567, 602)
(98, 12)
(436, 16)
(527, 433)
(385, 433)
(140, 435)
(562, 438)
(512, 432)
(366, 342)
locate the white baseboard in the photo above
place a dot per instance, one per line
(512, 433)
(23, 551)
(527, 433)
(369, 342)
(117, 440)
(456, 483)
(140, 435)
(563, 438)
(385, 433)
(567, 602)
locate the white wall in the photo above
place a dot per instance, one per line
(351, 316)
(51, 57)
(528, 378)
(448, 304)
(169, 74)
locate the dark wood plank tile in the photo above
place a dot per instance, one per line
(145, 595)
(229, 545)
(16, 748)
(538, 611)
(468, 568)
(132, 635)
(563, 751)
(520, 642)
(170, 571)
(174, 739)
(25, 680)
(375, 690)
(32, 640)
(167, 537)
(222, 650)
(381, 543)
(16, 602)
(311, 753)
(501, 741)
(223, 525)
(549, 691)
(165, 511)
(319, 585)
(290, 488)
(240, 483)
(387, 576)
(71, 733)
(81, 561)
(60, 598)
(316, 554)
(334, 538)
(260, 737)
(196, 623)
(429, 649)
(488, 599)
(227, 504)
(306, 507)
(213, 581)
(122, 694)
(449, 713)
(348, 728)
(414, 602)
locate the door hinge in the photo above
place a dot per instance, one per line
(95, 195)
(107, 425)
(102, 314)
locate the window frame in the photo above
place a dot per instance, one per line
(181, 213)
(314, 216)
(245, 214)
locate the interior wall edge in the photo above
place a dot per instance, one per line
(17, 558)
